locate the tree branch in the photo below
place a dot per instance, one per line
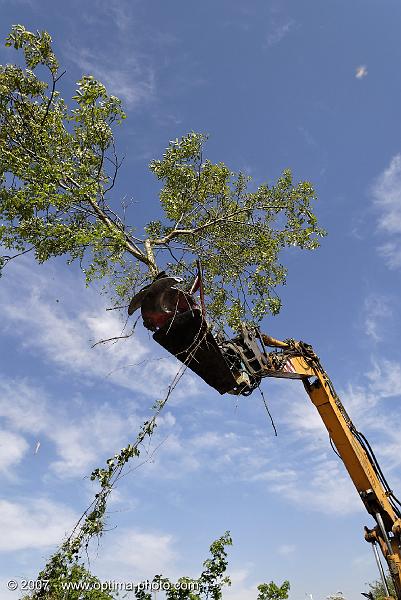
(129, 245)
(225, 218)
(55, 80)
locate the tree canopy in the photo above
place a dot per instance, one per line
(58, 167)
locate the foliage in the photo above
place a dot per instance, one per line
(271, 591)
(58, 166)
(377, 588)
(60, 587)
(92, 522)
(52, 173)
(208, 585)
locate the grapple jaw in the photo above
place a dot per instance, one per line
(229, 366)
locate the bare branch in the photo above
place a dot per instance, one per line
(112, 339)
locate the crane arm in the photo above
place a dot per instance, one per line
(237, 366)
(299, 361)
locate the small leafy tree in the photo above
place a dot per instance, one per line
(271, 591)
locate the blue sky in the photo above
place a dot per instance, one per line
(308, 85)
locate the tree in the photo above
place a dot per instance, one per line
(58, 166)
(271, 591)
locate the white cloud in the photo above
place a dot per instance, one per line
(309, 139)
(61, 321)
(387, 192)
(387, 201)
(37, 523)
(130, 78)
(279, 32)
(13, 447)
(82, 437)
(24, 407)
(377, 309)
(138, 554)
(240, 588)
(302, 417)
(385, 379)
(281, 468)
(79, 441)
(308, 457)
(323, 486)
(118, 12)
(58, 322)
(391, 252)
(233, 456)
(60, 331)
(286, 549)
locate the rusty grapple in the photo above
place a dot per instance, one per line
(179, 325)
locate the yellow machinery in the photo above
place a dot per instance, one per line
(237, 366)
(295, 360)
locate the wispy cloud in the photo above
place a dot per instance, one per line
(33, 523)
(308, 137)
(240, 588)
(13, 447)
(127, 77)
(377, 309)
(278, 32)
(79, 442)
(387, 202)
(61, 326)
(249, 456)
(286, 549)
(385, 379)
(119, 12)
(257, 461)
(56, 330)
(329, 487)
(143, 553)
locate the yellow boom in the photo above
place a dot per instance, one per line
(296, 360)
